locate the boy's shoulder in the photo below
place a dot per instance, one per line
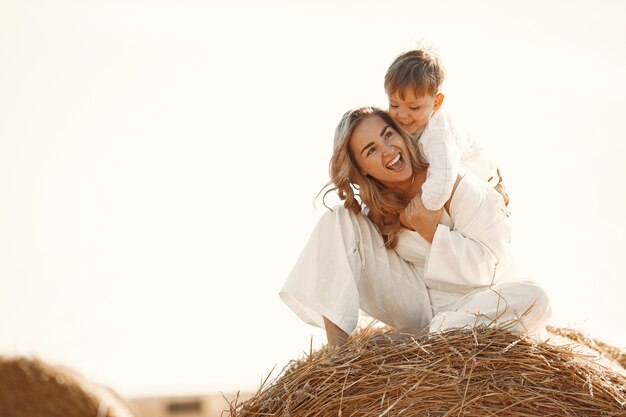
(441, 120)
(442, 114)
(442, 127)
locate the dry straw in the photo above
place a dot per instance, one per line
(30, 387)
(485, 371)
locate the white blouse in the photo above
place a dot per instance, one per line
(344, 267)
(471, 244)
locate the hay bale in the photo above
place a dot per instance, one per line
(605, 351)
(29, 387)
(463, 372)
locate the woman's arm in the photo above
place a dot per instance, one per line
(475, 250)
(416, 217)
(335, 336)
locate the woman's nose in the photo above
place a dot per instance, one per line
(387, 149)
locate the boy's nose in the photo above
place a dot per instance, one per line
(402, 115)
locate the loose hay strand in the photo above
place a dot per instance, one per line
(464, 372)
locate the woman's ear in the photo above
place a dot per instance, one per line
(438, 101)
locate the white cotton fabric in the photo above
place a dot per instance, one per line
(462, 279)
(345, 267)
(445, 148)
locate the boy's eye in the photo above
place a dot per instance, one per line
(415, 108)
(393, 105)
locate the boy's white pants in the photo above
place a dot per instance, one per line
(345, 267)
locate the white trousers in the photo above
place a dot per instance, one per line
(345, 267)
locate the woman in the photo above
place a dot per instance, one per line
(403, 265)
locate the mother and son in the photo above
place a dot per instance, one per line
(422, 239)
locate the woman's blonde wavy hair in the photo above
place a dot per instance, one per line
(356, 189)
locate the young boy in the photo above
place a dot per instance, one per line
(413, 84)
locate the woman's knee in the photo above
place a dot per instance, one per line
(542, 301)
(538, 295)
(534, 299)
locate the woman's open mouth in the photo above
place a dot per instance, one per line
(396, 163)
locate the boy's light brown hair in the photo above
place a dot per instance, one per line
(419, 70)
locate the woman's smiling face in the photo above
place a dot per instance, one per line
(380, 152)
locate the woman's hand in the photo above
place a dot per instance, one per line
(417, 217)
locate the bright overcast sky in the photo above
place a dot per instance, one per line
(159, 160)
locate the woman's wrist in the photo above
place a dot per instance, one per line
(428, 232)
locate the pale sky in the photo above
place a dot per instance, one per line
(159, 160)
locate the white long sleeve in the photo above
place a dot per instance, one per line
(442, 152)
(345, 268)
(475, 250)
(445, 147)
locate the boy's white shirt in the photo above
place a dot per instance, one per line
(445, 148)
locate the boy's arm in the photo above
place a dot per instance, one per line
(443, 155)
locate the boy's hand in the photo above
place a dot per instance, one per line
(416, 217)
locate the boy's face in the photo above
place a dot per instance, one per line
(410, 112)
